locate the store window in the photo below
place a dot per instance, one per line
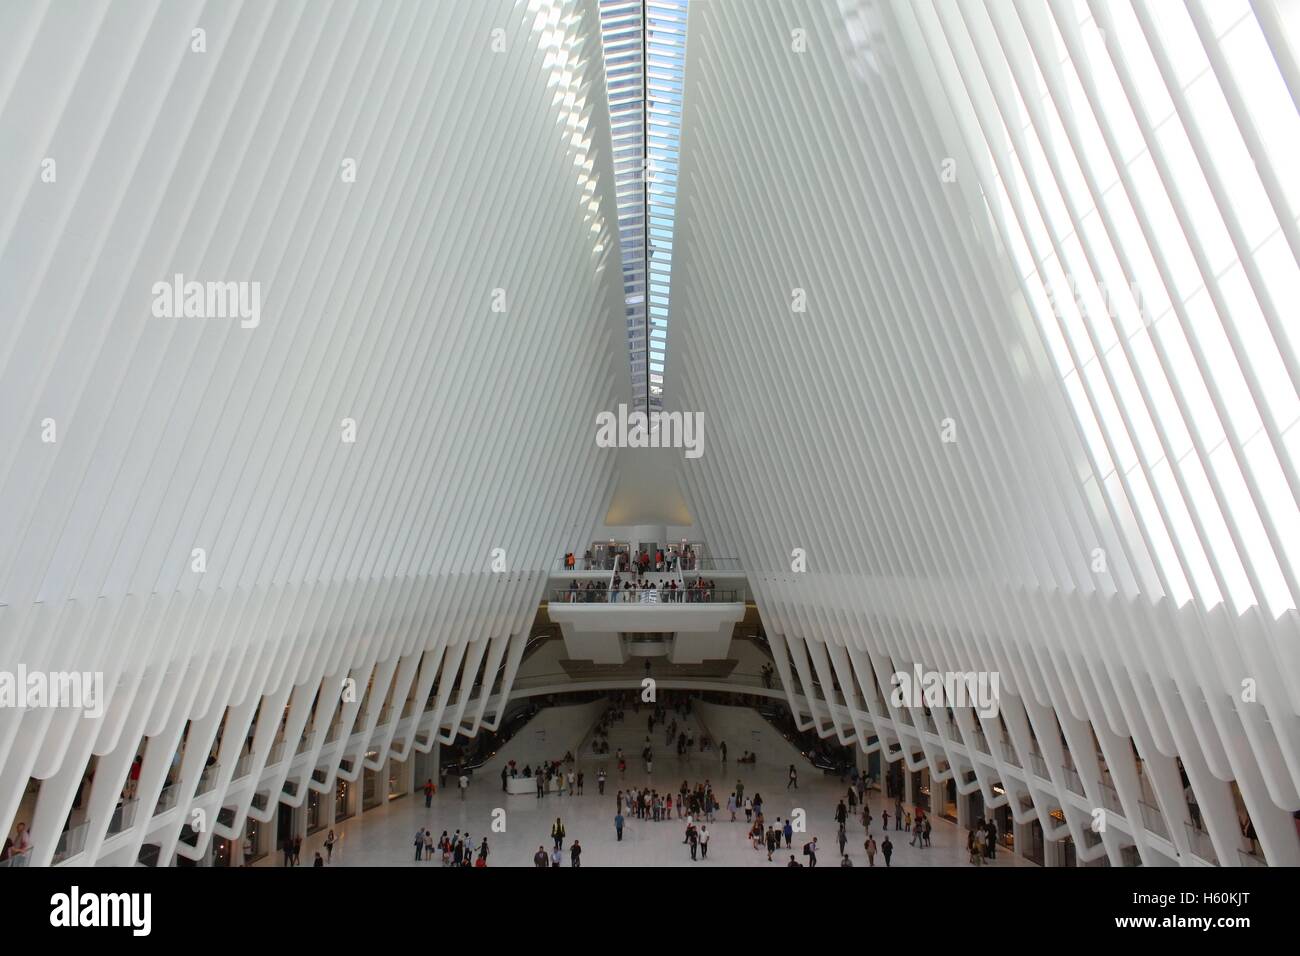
(342, 803)
(315, 819)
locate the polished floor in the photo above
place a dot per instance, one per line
(384, 836)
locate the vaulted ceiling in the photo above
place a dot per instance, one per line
(989, 305)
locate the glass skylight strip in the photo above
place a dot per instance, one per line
(640, 37)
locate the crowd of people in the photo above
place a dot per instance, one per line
(456, 850)
(554, 776)
(633, 591)
(683, 558)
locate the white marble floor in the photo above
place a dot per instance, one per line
(383, 836)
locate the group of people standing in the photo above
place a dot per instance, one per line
(982, 841)
(457, 849)
(555, 858)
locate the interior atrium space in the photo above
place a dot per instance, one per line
(691, 434)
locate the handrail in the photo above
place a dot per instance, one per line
(1200, 843)
(694, 564)
(71, 842)
(123, 817)
(635, 596)
(1153, 819)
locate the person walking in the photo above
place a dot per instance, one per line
(505, 775)
(870, 847)
(600, 781)
(704, 842)
(618, 825)
(464, 785)
(794, 778)
(330, 840)
(788, 832)
(557, 833)
(428, 793)
(575, 854)
(419, 844)
(541, 786)
(297, 851)
(557, 858)
(887, 849)
(540, 859)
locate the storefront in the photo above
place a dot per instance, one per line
(921, 788)
(254, 846)
(948, 804)
(372, 793)
(1006, 826)
(223, 851)
(894, 780)
(315, 818)
(398, 785)
(343, 808)
(1034, 852)
(284, 828)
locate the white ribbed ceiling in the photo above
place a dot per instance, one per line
(459, 301)
(1063, 235)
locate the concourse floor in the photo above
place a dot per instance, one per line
(384, 836)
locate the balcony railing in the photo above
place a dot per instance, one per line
(71, 842)
(1110, 799)
(644, 596)
(208, 779)
(1072, 781)
(123, 816)
(166, 800)
(1154, 820)
(1038, 765)
(1201, 844)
